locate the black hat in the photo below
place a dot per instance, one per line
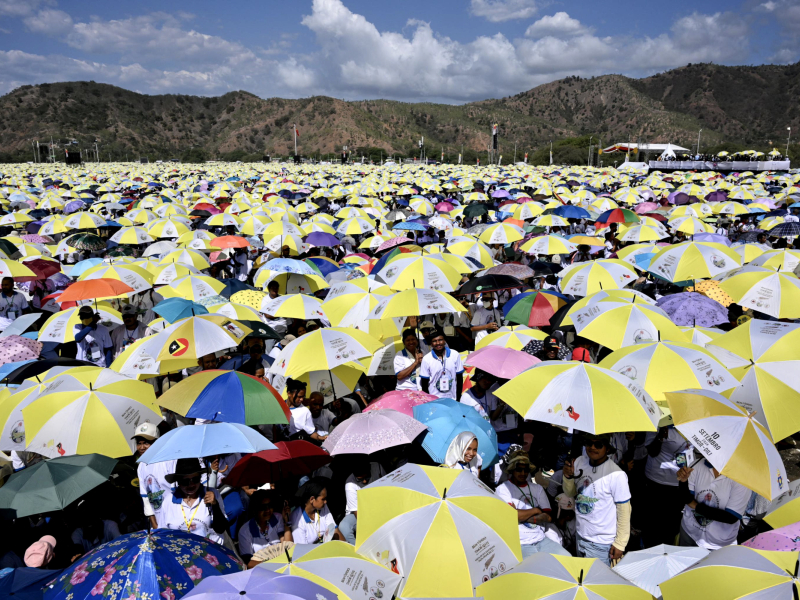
(183, 468)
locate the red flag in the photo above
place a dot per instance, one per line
(296, 130)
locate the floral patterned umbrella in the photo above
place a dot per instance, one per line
(164, 564)
(15, 348)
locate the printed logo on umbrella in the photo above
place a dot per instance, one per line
(178, 347)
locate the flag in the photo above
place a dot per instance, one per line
(551, 157)
(296, 131)
(494, 136)
(526, 158)
(494, 129)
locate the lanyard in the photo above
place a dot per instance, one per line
(529, 498)
(190, 521)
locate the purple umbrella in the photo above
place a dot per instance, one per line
(711, 237)
(717, 197)
(500, 194)
(371, 431)
(259, 583)
(320, 238)
(74, 206)
(691, 309)
(678, 198)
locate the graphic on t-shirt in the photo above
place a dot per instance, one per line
(584, 504)
(154, 492)
(709, 498)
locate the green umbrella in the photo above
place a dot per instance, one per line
(54, 484)
(476, 210)
(7, 247)
(85, 241)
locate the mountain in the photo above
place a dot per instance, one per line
(735, 107)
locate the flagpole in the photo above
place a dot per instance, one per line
(294, 129)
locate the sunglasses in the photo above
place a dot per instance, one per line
(525, 469)
(189, 481)
(599, 444)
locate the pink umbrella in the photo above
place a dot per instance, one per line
(784, 538)
(402, 401)
(391, 243)
(504, 363)
(645, 207)
(371, 431)
(444, 207)
(33, 238)
(15, 348)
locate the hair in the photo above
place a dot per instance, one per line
(294, 385)
(260, 496)
(312, 489)
(273, 284)
(436, 333)
(409, 333)
(11, 279)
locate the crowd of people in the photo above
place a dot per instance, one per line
(596, 495)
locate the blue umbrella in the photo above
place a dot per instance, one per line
(711, 237)
(445, 419)
(320, 238)
(25, 583)
(411, 226)
(206, 440)
(325, 266)
(234, 285)
(80, 268)
(289, 265)
(175, 309)
(162, 564)
(569, 211)
(257, 583)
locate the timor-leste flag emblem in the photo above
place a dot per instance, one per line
(178, 347)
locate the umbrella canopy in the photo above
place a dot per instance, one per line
(255, 584)
(408, 272)
(504, 363)
(619, 324)
(489, 283)
(402, 401)
(736, 573)
(693, 309)
(227, 396)
(15, 348)
(24, 583)
(95, 289)
(547, 576)
(652, 566)
(445, 419)
(582, 279)
(515, 336)
(533, 308)
(52, 485)
(425, 524)
(371, 431)
(164, 563)
(785, 509)
(206, 440)
(764, 290)
(294, 458)
(661, 367)
(415, 302)
(693, 260)
(175, 309)
(549, 244)
(784, 539)
(293, 306)
(338, 567)
(581, 396)
(731, 439)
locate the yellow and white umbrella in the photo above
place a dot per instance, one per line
(293, 306)
(166, 274)
(192, 287)
(84, 220)
(442, 530)
(186, 256)
(619, 324)
(237, 312)
(415, 302)
(501, 233)
(131, 275)
(764, 290)
(778, 260)
(584, 278)
(167, 228)
(471, 248)
(415, 271)
(749, 251)
(626, 295)
(353, 309)
(701, 336)
(694, 260)
(642, 233)
(60, 327)
(548, 244)
(515, 337)
(580, 396)
(133, 236)
(355, 226)
(731, 439)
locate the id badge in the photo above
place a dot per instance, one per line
(11, 314)
(511, 420)
(449, 331)
(444, 384)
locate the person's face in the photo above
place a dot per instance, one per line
(411, 343)
(438, 343)
(273, 291)
(315, 405)
(301, 331)
(207, 362)
(130, 321)
(265, 511)
(520, 473)
(87, 320)
(471, 451)
(259, 374)
(485, 383)
(298, 397)
(142, 445)
(255, 348)
(486, 299)
(318, 502)
(552, 354)
(426, 334)
(189, 484)
(596, 450)
(7, 286)
(362, 478)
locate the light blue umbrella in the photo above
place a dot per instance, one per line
(445, 419)
(261, 583)
(411, 226)
(289, 265)
(83, 266)
(198, 441)
(175, 309)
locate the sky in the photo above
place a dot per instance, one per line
(452, 51)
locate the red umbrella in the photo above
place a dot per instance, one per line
(229, 241)
(294, 458)
(42, 268)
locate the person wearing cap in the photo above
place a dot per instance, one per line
(285, 341)
(130, 330)
(532, 505)
(191, 506)
(12, 303)
(426, 328)
(407, 361)
(40, 554)
(441, 372)
(94, 341)
(487, 318)
(153, 484)
(266, 528)
(602, 500)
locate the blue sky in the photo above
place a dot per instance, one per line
(439, 50)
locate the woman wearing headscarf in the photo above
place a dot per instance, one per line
(463, 453)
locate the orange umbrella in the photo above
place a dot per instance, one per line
(229, 241)
(517, 222)
(94, 289)
(710, 288)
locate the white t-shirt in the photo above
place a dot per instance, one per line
(720, 493)
(531, 495)
(252, 539)
(441, 373)
(663, 468)
(323, 422)
(153, 486)
(402, 361)
(600, 489)
(484, 316)
(11, 308)
(301, 420)
(306, 530)
(92, 347)
(196, 519)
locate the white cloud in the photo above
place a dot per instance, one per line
(557, 25)
(50, 21)
(18, 8)
(498, 11)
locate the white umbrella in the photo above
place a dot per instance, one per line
(649, 567)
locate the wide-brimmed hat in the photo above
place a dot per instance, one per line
(183, 468)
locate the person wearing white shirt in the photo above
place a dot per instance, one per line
(486, 318)
(12, 304)
(364, 473)
(407, 362)
(94, 341)
(301, 423)
(532, 504)
(441, 372)
(714, 507)
(266, 528)
(191, 506)
(131, 330)
(323, 418)
(602, 501)
(312, 522)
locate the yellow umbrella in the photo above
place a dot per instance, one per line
(192, 287)
(515, 337)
